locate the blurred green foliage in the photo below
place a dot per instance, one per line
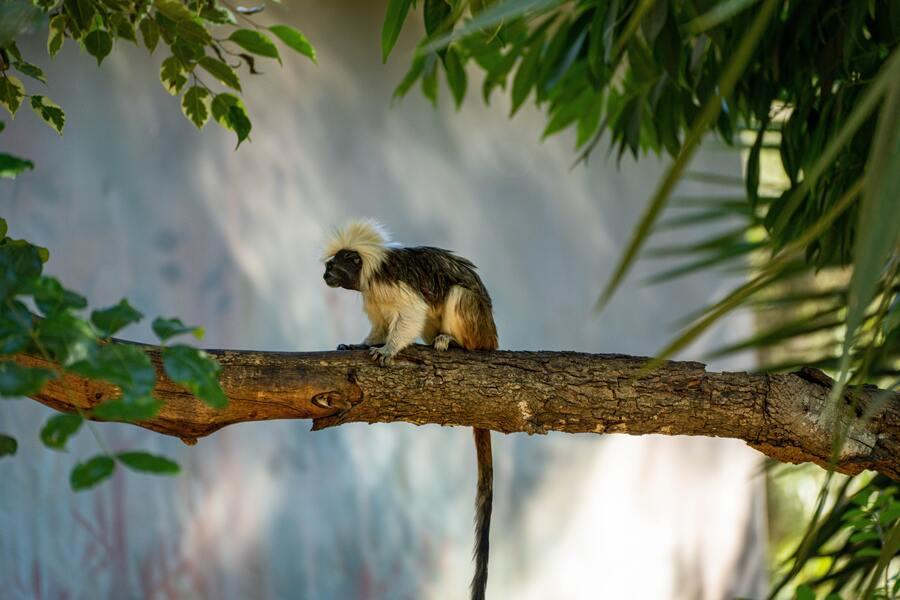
(817, 84)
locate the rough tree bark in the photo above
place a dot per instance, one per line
(532, 392)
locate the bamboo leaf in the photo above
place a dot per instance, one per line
(487, 18)
(717, 15)
(707, 116)
(393, 23)
(879, 214)
(863, 107)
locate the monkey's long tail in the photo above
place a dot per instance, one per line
(484, 500)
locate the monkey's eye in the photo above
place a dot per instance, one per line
(356, 260)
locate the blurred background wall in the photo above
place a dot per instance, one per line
(135, 202)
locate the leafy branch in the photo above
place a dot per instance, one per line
(186, 28)
(82, 346)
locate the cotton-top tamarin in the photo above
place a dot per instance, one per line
(421, 292)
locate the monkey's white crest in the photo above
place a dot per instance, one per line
(368, 237)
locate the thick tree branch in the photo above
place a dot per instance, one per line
(533, 392)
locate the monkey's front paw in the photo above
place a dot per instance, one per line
(442, 342)
(382, 356)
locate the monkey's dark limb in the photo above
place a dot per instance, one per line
(484, 501)
(353, 347)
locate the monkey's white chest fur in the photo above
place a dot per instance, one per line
(397, 308)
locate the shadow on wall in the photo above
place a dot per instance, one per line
(134, 202)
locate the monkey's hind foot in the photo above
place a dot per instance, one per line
(442, 342)
(353, 346)
(382, 356)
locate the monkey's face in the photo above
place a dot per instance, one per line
(343, 270)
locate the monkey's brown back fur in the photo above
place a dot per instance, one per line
(477, 331)
(458, 301)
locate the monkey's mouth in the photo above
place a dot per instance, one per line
(331, 280)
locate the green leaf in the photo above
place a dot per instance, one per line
(230, 113)
(12, 166)
(568, 113)
(18, 381)
(490, 17)
(718, 14)
(149, 463)
(436, 13)
(112, 319)
(59, 428)
(526, 75)
(221, 71)
(20, 264)
(429, 80)
(393, 23)
(50, 296)
(123, 28)
(197, 372)
(150, 33)
(193, 32)
(218, 14)
(166, 27)
(11, 93)
(879, 213)
(99, 44)
(117, 6)
(415, 70)
(57, 34)
(31, 70)
(50, 112)
(863, 107)
(88, 474)
(128, 409)
(172, 75)
(174, 10)
(67, 338)
(255, 43)
(124, 365)
(81, 15)
(456, 75)
(710, 111)
(15, 327)
(8, 445)
(195, 105)
(888, 553)
(187, 52)
(667, 49)
(168, 328)
(589, 121)
(804, 592)
(294, 40)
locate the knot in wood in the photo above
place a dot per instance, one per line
(331, 399)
